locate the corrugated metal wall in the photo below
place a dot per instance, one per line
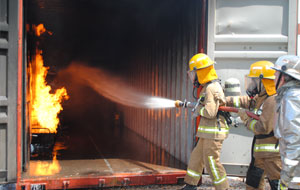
(8, 88)
(161, 70)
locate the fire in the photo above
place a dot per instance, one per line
(40, 29)
(45, 168)
(45, 106)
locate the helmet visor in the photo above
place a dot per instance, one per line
(251, 84)
(192, 75)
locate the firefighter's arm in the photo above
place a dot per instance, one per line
(265, 124)
(238, 101)
(212, 102)
(290, 136)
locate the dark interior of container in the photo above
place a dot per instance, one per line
(107, 34)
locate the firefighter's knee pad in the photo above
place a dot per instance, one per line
(254, 175)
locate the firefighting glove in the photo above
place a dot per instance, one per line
(243, 115)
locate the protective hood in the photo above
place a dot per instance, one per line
(206, 74)
(269, 85)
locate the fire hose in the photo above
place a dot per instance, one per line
(231, 109)
(193, 105)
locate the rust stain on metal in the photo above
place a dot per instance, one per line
(178, 112)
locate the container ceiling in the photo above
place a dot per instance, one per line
(116, 30)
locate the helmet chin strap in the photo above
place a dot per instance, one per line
(196, 86)
(278, 81)
(196, 82)
(259, 86)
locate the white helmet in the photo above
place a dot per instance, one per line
(232, 87)
(289, 65)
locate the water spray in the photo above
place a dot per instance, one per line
(157, 102)
(116, 90)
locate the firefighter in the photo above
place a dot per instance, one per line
(212, 129)
(260, 87)
(287, 129)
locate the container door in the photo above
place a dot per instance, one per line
(8, 89)
(239, 34)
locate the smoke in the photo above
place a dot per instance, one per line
(114, 88)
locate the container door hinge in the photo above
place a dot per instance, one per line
(66, 184)
(126, 181)
(158, 179)
(101, 183)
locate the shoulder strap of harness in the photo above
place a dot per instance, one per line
(265, 136)
(215, 80)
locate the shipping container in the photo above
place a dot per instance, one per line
(104, 137)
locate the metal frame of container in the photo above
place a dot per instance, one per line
(264, 34)
(9, 106)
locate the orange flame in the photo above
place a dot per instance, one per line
(40, 29)
(45, 106)
(45, 168)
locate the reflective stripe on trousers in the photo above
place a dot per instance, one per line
(217, 179)
(265, 148)
(193, 174)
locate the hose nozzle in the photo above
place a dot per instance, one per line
(179, 103)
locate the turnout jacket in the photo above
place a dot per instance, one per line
(263, 105)
(212, 125)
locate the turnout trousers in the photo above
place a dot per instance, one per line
(207, 154)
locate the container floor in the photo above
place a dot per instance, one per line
(110, 157)
(97, 167)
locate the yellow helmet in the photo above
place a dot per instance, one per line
(262, 69)
(200, 61)
(201, 69)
